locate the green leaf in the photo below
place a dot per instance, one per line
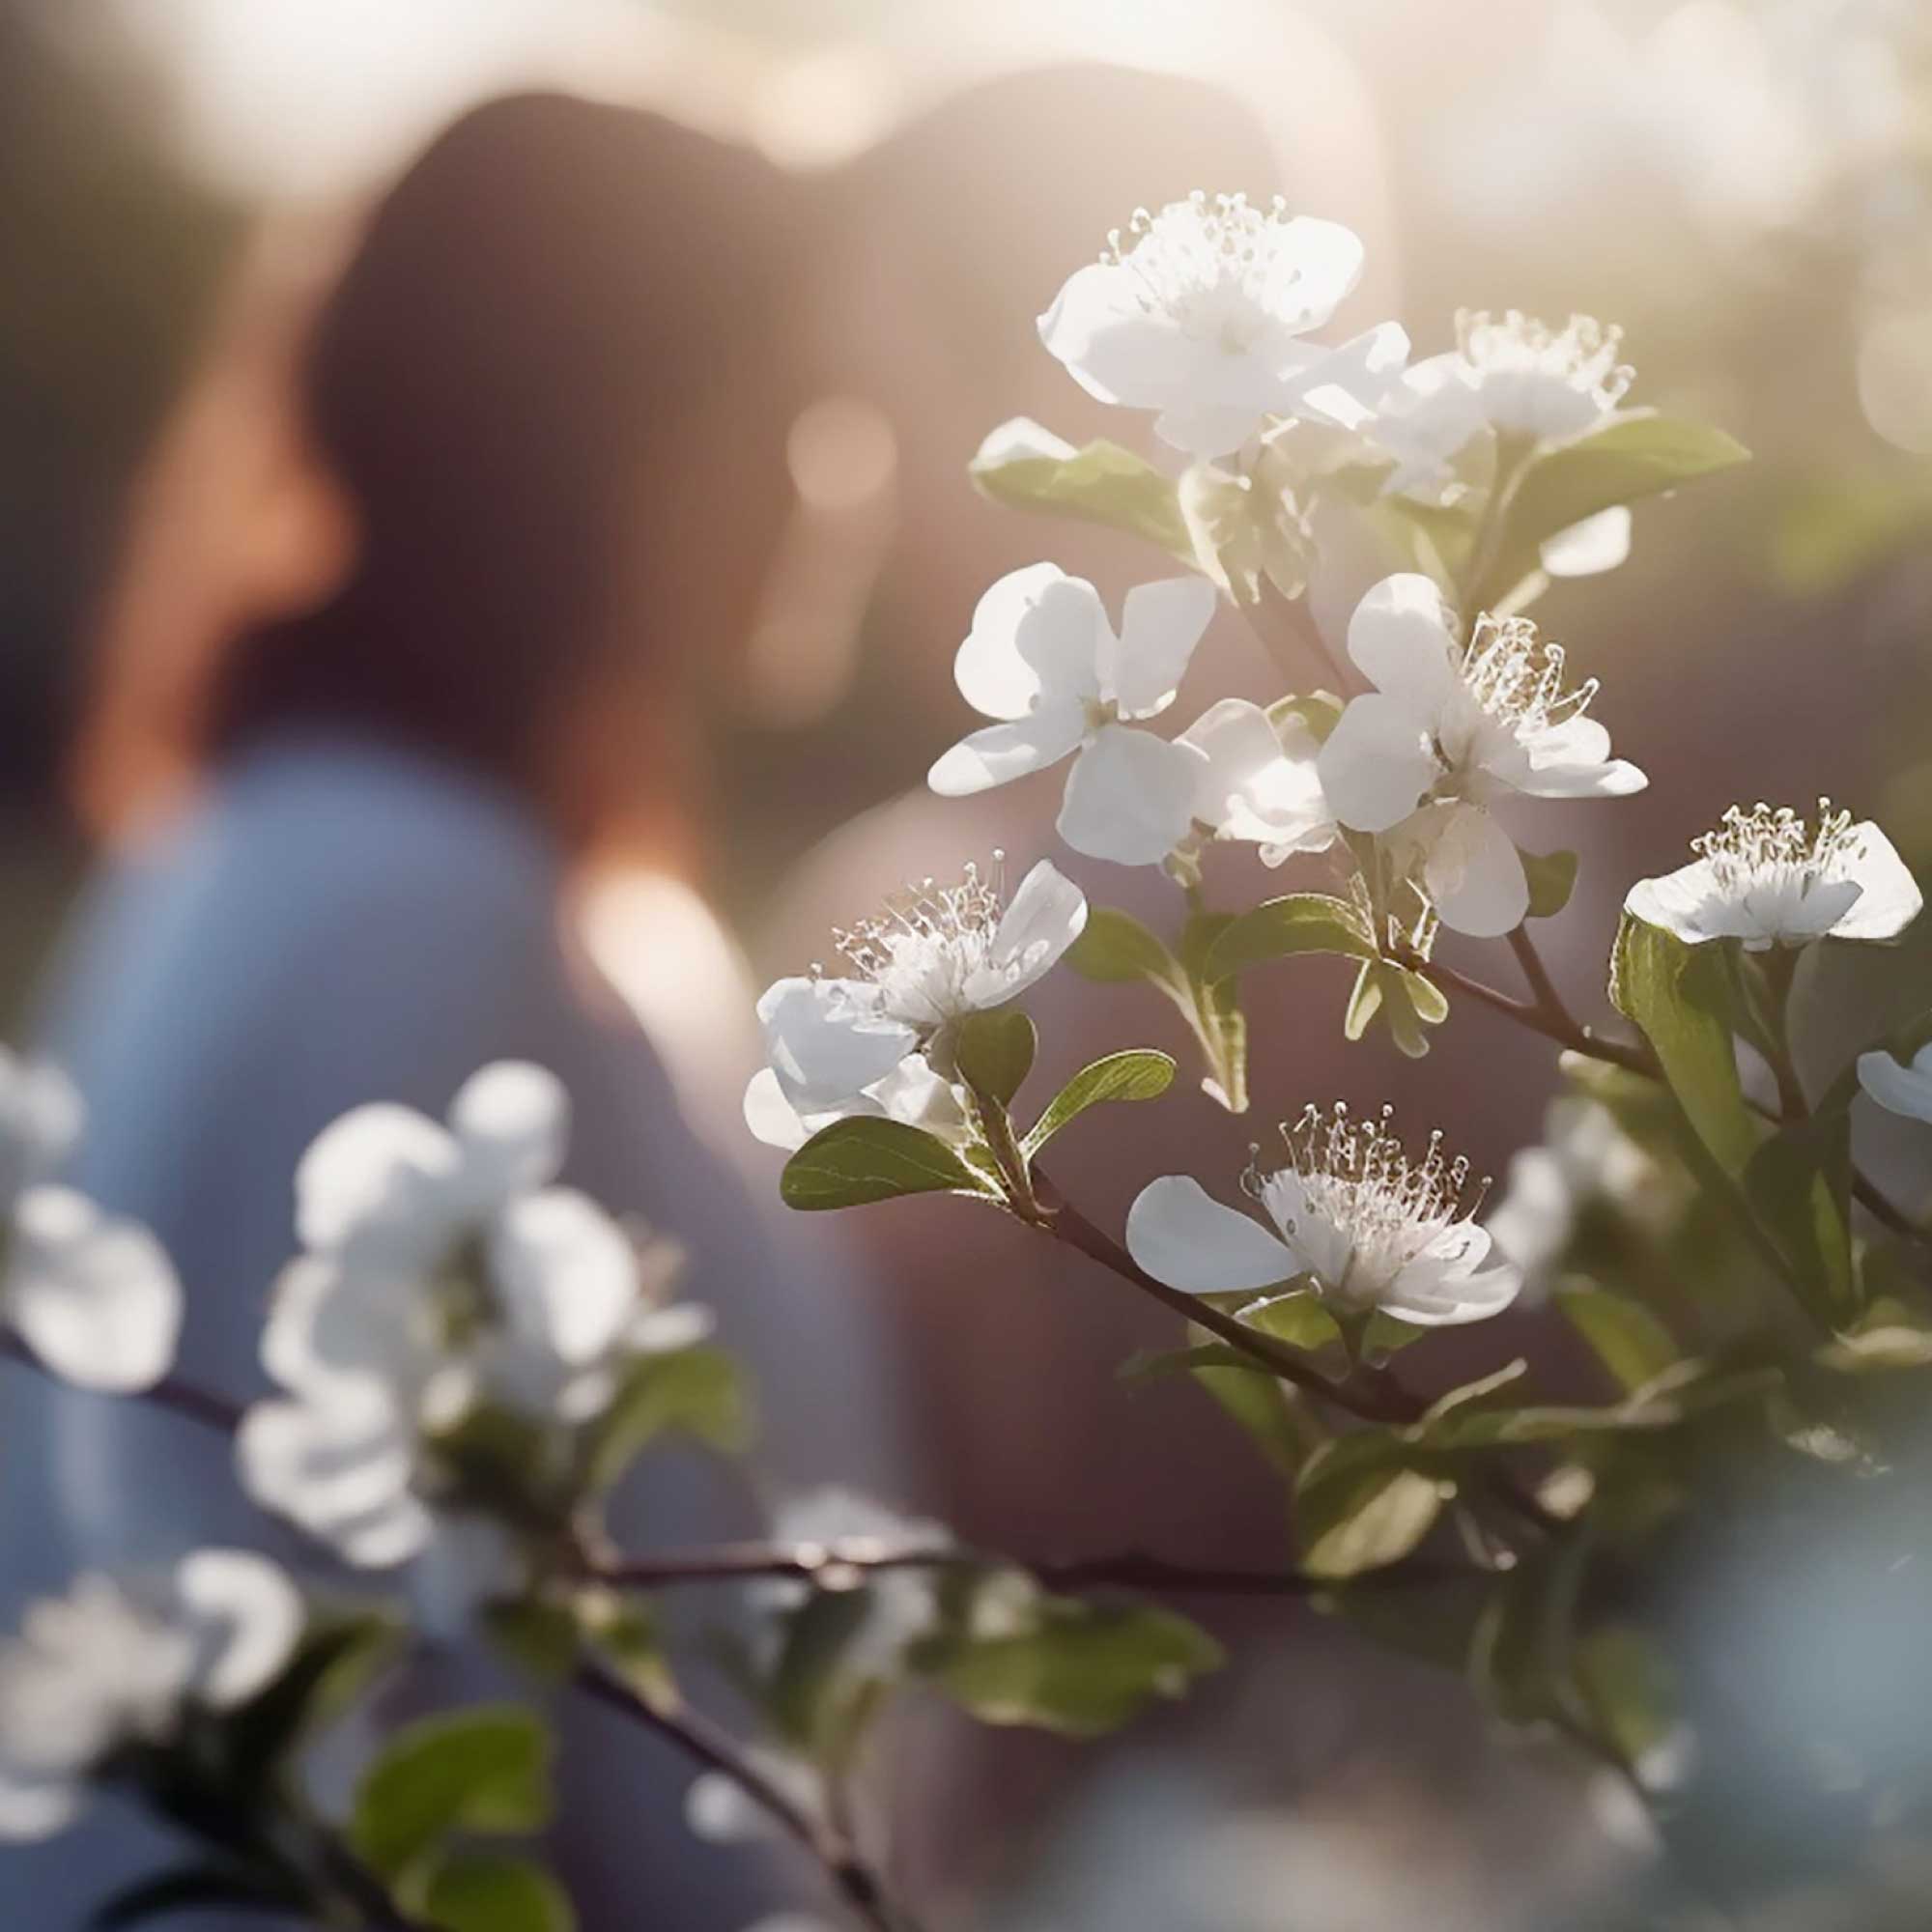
(856, 1161)
(1553, 878)
(539, 1639)
(194, 1888)
(1280, 929)
(1676, 994)
(1407, 1004)
(1137, 1074)
(1115, 946)
(1300, 1320)
(1081, 1668)
(624, 1632)
(480, 1770)
(1101, 484)
(1800, 1182)
(1153, 1365)
(1320, 712)
(1275, 1417)
(490, 1892)
(1631, 455)
(1373, 1519)
(331, 1666)
(1629, 1688)
(699, 1392)
(994, 1051)
(1626, 1337)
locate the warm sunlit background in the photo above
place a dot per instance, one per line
(1745, 185)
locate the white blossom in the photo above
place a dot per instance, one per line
(1044, 659)
(93, 1294)
(1200, 311)
(1448, 733)
(1259, 781)
(1347, 1210)
(857, 1044)
(1768, 877)
(442, 1274)
(1514, 375)
(120, 1661)
(1900, 1088)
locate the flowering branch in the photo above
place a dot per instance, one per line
(699, 1738)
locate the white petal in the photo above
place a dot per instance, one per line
(1343, 385)
(1597, 544)
(1475, 874)
(40, 1120)
(1035, 638)
(248, 1617)
(95, 1295)
(511, 1120)
(1903, 1090)
(1116, 351)
(1002, 752)
(1402, 637)
(1377, 763)
(1129, 797)
(34, 1806)
(770, 1116)
(1184, 1237)
(827, 1040)
(1533, 1222)
(1160, 625)
(1573, 759)
(1205, 429)
(376, 1163)
(1021, 439)
(337, 1472)
(565, 1271)
(1328, 262)
(1253, 788)
(1690, 903)
(1888, 897)
(1046, 916)
(1432, 1300)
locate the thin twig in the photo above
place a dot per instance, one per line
(708, 1744)
(199, 1406)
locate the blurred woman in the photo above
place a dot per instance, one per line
(412, 628)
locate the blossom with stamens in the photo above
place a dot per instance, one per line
(865, 1043)
(1200, 311)
(1044, 659)
(1514, 375)
(1449, 730)
(94, 1294)
(1260, 783)
(1769, 877)
(1348, 1212)
(129, 1661)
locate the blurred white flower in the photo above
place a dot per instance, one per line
(1586, 1156)
(444, 1273)
(1447, 732)
(844, 1046)
(1200, 312)
(721, 1811)
(94, 1294)
(1901, 1089)
(124, 1661)
(1350, 1211)
(1042, 658)
(1260, 782)
(1767, 877)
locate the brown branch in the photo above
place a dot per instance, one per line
(199, 1406)
(709, 1744)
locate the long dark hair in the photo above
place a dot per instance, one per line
(541, 294)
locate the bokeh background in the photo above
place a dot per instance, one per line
(1745, 186)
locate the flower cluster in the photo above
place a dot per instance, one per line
(93, 1294)
(444, 1280)
(119, 1663)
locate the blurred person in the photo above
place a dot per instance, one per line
(411, 629)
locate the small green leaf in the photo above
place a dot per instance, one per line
(1677, 995)
(539, 1639)
(1631, 455)
(1081, 1668)
(994, 1051)
(1280, 929)
(1407, 1003)
(1800, 1183)
(1153, 1365)
(1300, 1320)
(1364, 1518)
(1320, 712)
(1137, 1074)
(1626, 1337)
(863, 1159)
(625, 1634)
(1115, 946)
(1023, 467)
(1553, 878)
(699, 1392)
(480, 1770)
(490, 1892)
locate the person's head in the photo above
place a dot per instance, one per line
(530, 466)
